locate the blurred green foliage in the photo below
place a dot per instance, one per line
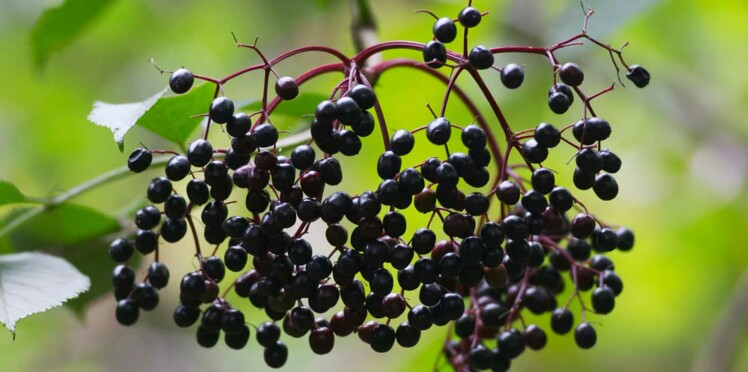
(683, 140)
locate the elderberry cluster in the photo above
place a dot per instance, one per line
(474, 265)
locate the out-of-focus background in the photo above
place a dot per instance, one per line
(683, 141)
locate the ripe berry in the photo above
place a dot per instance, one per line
(583, 180)
(473, 137)
(605, 187)
(347, 111)
(481, 58)
(221, 110)
(558, 102)
(435, 54)
(561, 321)
(268, 334)
(407, 335)
(175, 207)
(382, 338)
(547, 135)
(321, 340)
(508, 192)
(200, 152)
(286, 88)
(159, 190)
(592, 130)
(235, 258)
(139, 160)
(543, 180)
(571, 74)
(147, 217)
(146, 296)
(265, 135)
(625, 238)
(603, 300)
(186, 316)
(534, 152)
(511, 344)
(302, 157)
(276, 355)
(439, 131)
(512, 76)
(604, 240)
(534, 337)
(469, 17)
(238, 125)
(127, 312)
(611, 161)
(348, 142)
(197, 192)
(402, 142)
(181, 81)
(585, 336)
(238, 341)
(638, 75)
(158, 275)
(364, 96)
(445, 30)
(177, 168)
(121, 250)
(173, 230)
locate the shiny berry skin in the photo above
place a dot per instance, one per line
(147, 217)
(181, 81)
(583, 180)
(445, 30)
(221, 110)
(265, 135)
(238, 125)
(140, 159)
(173, 230)
(543, 180)
(186, 316)
(127, 312)
(286, 88)
(439, 131)
(508, 192)
(611, 161)
(177, 168)
(512, 76)
(402, 142)
(603, 300)
(382, 338)
(558, 102)
(469, 17)
(159, 190)
(158, 275)
(534, 152)
(547, 135)
(625, 238)
(638, 75)
(562, 321)
(511, 344)
(347, 110)
(435, 54)
(276, 355)
(121, 250)
(197, 192)
(585, 336)
(605, 187)
(571, 74)
(302, 157)
(534, 337)
(561, 199)
(473, 137)
(199, 153)
(481, 58)
(235, 258)
(364, 96)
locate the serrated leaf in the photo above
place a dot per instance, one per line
(121, 117)
(10, 194)
(59, 26)
(171, 117)
(33, 282)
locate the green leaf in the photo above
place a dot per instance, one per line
(63, 225)
(170, 117)
(33, 282)
(58, 27)
(9, 193)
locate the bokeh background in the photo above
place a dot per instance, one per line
(683, 139)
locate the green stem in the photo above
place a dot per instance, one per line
(111, 176)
